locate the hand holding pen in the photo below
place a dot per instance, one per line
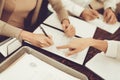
(89, 14)
(44, 31)
(45, 39)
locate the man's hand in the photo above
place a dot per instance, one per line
(109, 16)
(89, 14)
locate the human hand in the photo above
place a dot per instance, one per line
(109, 16)
(39, 40)
(76, 45)
(89, 14)
(68, 28)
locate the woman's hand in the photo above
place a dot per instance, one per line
(39, 40)
(76, 45)
(68, 28)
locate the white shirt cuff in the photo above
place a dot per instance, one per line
(112, 49)
(110, 4)
(77, 10)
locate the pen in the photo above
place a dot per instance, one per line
(91, 8)
(44, 31)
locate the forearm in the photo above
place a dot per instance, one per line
(9, 30)
(99, 44)
(27, 36)
(58, 7)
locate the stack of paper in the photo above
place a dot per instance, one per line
(59, 38)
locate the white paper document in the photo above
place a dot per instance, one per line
(10, 46)
(106, 67)
(59, 39)
(83, 28)
(29, 67)
(111, 28)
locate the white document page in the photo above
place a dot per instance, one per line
(10, 46)
(108, 68)
(29, 67)
(111, 28)
(59, 38)
(83, 28)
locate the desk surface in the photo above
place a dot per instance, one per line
(99, 34)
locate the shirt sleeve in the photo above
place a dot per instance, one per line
(72, 7)
(10, 31)
(110, 3)
(59, 9)
(113, 49)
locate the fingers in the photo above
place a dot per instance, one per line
(72, 52)
(112, 20)
(106, 17)
(62, 47)
(64, 27)
(49, 41)
(43, 41)
(109, 17)
(70, 31)
(90, 14)
(95, 13)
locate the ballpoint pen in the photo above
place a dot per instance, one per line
(44, 31)
(91, 8)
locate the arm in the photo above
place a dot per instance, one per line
(38, 40)
(79, 11)
(8, 30)
(63, 17)
(109, 9)
(110, 48)
(79, 44)
(59, 9)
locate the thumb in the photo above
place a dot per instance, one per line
(64, 27)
